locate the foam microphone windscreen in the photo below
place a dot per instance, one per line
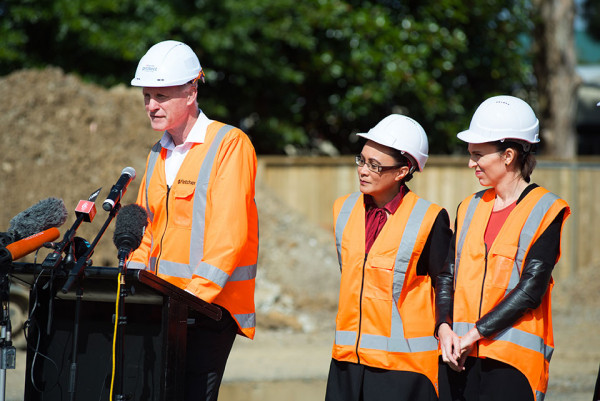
(130, 226)
(47, 213)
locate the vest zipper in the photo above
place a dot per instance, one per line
(164, 231)
(362, 286)
(482, 287)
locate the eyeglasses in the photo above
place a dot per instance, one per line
(376, 168)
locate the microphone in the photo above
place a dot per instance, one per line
(45, 214)
(25, 246)
(119, 189)
(129, 229)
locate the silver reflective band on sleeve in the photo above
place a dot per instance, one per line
(465, 228)
(242, 273)
(246, 320)
(539, 396)
(341, 222)
(211, 273)
(345, 337)
(136, 265)
(527, 232)
(407, 244)
(525, 340)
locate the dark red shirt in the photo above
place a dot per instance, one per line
(376, 217)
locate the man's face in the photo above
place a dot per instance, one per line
(167, 107)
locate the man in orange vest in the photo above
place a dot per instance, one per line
(505, 246)
(391, 246)
(198, 191)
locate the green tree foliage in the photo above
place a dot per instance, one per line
(295, 73)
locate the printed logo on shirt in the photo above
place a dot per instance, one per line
(186, 182)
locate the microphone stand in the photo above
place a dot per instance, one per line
(76, 276)
(55, 259)
(8, 352)
(120, 334)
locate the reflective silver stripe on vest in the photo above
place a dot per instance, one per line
(397, 342)
(246, 320)
(154, 154)
(341, 222)
(343, 337)
(407, 244)
(526, 340)
(539, 396)
(199, 213)
(136, 265)
(461, 328)
(465, 228)
(512, 335)
(526, 237)
(152, 266)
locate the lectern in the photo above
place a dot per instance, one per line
(153, 360)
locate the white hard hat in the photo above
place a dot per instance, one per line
(402, 133)
(502, 117)
(168, 63)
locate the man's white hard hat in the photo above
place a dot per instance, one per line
(168, 63)
(402, 133)
(502, 117)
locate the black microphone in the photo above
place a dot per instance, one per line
(45, 214)
(119, 189)
(129, 229)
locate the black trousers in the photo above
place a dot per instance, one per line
(355, 382)
(483, 380)
(208, 345)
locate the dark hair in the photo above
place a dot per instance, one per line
(525, 156)
(403, 160)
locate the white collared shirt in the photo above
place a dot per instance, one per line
(176, 154)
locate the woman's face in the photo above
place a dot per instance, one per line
(381, 186)
(490, 165)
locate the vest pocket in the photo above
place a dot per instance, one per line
(379, 277)
(182, 205)
(502, 258)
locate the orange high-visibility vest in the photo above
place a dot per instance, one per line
(386, 313)
(203, 231)
(482, 280)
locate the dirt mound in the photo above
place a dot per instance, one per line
(66, 138)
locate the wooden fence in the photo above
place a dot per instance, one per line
(310, 185)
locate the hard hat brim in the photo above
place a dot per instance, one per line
(472, 137)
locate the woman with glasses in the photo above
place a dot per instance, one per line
(391, 246)
(506, 243)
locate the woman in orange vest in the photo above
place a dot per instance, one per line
(391, 246)
(506, 243)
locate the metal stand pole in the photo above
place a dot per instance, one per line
(120, 337)
(8, 352)
(73, 369)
